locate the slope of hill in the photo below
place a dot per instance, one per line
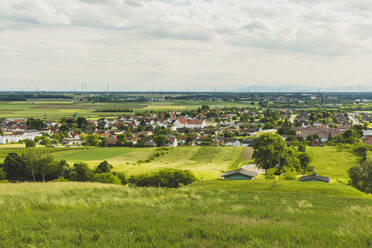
(206, 214)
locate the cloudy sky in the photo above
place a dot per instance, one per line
(184, 44)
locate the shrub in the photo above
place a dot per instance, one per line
(4, 181)
(30, 143)
(107, 178)
(270, 174)
(60, 179)
(103, 167)
(169, 177)
(361, 150)
(288, 173)
(361, 177)
(121, 177)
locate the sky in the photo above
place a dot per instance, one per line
(180, 45)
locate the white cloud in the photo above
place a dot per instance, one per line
(165, 42)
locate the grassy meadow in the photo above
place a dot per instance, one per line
(215, 213)
(330, 162)
(205, 162)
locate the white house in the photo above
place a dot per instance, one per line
(192, 124)
(19, 136)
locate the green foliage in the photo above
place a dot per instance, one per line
(121, 177)
(268, 149)
(270, 174)
(361, 150)
(60, 179)
(2, 174)
(81, 172)
(35, 124)
(29, 143)
(361, 177)
(288, 173)
(107, 178)
(91, 140)
(104, 167)
(14, 167)
(169, 177)
(160, 140)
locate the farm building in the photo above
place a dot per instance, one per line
(314, 177)
(239, 174)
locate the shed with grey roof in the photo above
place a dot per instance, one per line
(314, 177)
(239, 174)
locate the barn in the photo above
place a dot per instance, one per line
(239, 174)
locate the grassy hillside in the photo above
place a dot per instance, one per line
(206, 214)
(206, 162)
(330, 162)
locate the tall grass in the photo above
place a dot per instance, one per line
(207, 214)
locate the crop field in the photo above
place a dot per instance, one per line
(53, 110)
(205, 162)
(257, 213)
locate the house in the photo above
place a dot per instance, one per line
(72, 141)
(172, 141)
(192, 124)
(239, 174)
(314, 177)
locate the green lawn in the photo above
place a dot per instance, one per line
(255, 213)
(330, 162)
(205, 162)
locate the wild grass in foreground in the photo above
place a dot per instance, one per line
(207, 214)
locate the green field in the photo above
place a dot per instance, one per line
(256, 213)
(205, 162)
(330, 162)
(54, 110)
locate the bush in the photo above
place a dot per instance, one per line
(121, 177)
(107, 178)
(288, 173)
(361, 150)
(30, 143)
(361, 177)
(60, 179)
(171, 178)
(4, 181)
(270, 174)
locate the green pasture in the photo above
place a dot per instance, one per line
(214, 213)
(205, 162)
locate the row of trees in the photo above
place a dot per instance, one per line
(43, 168)
(34, 167)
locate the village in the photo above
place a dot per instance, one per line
(205, 126)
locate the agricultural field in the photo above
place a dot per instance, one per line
(215, 213)
(205, 162)
(54, 110)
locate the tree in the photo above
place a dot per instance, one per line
(160, 140)
(268, 149)
(29, 143)
(103, 167)
(361, 177)
(82, 172)
(35, 124)
(91, 140)
(64, 128)
(14, 167)
(81, 122)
